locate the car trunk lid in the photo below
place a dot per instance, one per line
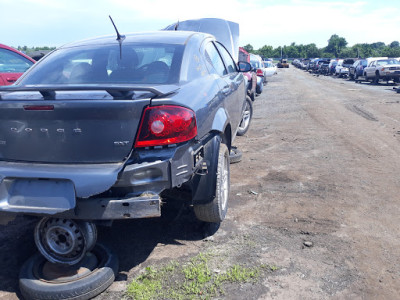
(70, 131)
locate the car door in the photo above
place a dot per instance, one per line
(370, 70)
(12, 65)
(235, 86)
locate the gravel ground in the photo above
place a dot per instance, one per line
(316, 195)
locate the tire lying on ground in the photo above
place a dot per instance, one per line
(39, 279)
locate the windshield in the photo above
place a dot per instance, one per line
(106, 64)
(387, 62)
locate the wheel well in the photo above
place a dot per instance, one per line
(227, 136)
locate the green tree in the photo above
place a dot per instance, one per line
(265, 51)
(336, 45)
(249, 48)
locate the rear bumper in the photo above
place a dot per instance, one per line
(89, 191)
(391, 74)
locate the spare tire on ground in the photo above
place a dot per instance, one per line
(40, 279)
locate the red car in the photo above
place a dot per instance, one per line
(12, 64)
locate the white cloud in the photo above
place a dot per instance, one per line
(262, 22)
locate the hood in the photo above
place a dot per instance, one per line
(226, 32)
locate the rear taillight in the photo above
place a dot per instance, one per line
(260, 72)
(165, 125)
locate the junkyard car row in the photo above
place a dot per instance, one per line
(372, 69)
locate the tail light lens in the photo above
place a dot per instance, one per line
(165, 125)
(260, 72)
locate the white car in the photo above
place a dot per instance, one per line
(269, 69)
(382, 68)
(258, 65)
(342, 67)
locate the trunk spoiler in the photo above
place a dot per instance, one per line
(118, 92)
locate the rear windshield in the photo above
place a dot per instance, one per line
(108, 64)
(255, 64)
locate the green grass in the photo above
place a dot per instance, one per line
(194, 279)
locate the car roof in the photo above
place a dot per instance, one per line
(167, 37)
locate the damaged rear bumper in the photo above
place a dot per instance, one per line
(87, 191)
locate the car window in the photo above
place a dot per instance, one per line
(11, 62)
(214, 59)
(229, 63)
(133, 63)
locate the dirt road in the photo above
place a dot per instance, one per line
(317, 196)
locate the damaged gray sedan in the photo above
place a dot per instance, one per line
(106, 129)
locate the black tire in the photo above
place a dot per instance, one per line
(247, 115)
(215, 211)
(259, 89)
(235, 155)
(376, 79)
(34, 286)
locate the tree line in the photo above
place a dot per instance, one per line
(336, 48)
(28, 50)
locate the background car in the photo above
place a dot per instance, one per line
(258, 64)
(356, 70)
(12, 64)
(385, 69)
(283, 63)
(332, 66)
(342, 68)
(323, 67)
(270, 68)
(251, 76)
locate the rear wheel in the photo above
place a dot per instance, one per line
(376, 79)
(246, 117)
(259, 88)
(215, 211)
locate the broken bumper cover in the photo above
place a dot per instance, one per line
(81, 191)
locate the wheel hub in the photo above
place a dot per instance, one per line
(64, 241)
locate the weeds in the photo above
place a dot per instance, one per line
(192, 280)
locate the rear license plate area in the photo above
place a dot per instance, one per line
(37, 195)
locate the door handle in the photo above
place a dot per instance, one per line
(11, 79)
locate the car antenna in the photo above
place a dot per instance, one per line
(120, 38)
(176, 26)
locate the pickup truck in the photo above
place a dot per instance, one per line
(382, 69)
(106, 129)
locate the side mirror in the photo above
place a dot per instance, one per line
(244, 66)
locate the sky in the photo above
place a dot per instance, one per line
(262, 22)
